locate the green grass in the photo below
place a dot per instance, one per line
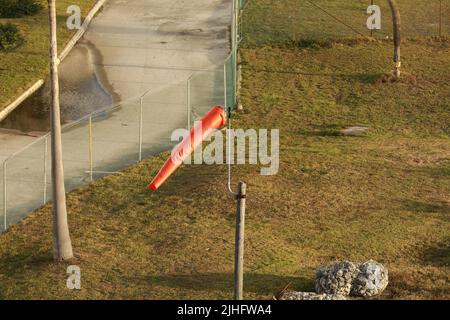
(269, 22)
(384, 196)
(22, 67)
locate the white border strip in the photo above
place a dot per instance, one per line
(4, 113)
(77, 36)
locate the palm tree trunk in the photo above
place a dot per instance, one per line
(397, 37)
(62, 245)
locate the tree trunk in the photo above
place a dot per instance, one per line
(397, 37)
(62, 245)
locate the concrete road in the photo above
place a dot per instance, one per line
(134, 46)
(148, 44)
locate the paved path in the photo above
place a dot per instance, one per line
(12, 141)
(152, 43)
(134, 46)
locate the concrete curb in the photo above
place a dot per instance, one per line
(77, 36)
(69, 46)
(4, 113)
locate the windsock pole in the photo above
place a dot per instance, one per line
(239, 243)
(241, 194)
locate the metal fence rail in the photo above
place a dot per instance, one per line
(110, 139)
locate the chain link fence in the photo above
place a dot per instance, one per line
(280, 22)
(111, 139)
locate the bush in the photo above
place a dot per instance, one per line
(10, 37)
(18, 8)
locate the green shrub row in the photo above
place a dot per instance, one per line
(10, 37)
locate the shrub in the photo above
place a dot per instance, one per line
(10, 37)
(18, 8)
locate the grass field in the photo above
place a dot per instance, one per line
(384, 196)
(27, 64)
(269, 22)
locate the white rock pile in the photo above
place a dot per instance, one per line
(345, 278)
(336, 278)
(356, 279)
(371, 280)
(294, 295)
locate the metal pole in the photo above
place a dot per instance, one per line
(189, 103)
(91, 161)
(440, 18)
(238, 18)
(371, 30)
(4, 195)
(235, 51)
(237, 21)
(228, 133)
(233, 24)
(225, 85)
(239, 243)
(396, 21)
(140, 128)
(241, 22)
(45, 168)
(293, 19)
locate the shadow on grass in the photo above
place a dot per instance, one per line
(333, 130)
(438, 255)
(441, 171)
(180, 183)
(263, 284)
(13, 264)
(313, 44)
(365, 78)
(322, 133)
(440, 207)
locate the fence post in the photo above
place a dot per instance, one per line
(293, 20)
(4, 195)
(239, 243)
(225, 93)
(140, 128)
(233, 24)
(90, 149)
(236, 52)
(189, 103)
(371, 30)
(440, 18)
(45, 168)
(236, 22)
(241, 21)
(238, 10)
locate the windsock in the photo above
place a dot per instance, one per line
(214, 119)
